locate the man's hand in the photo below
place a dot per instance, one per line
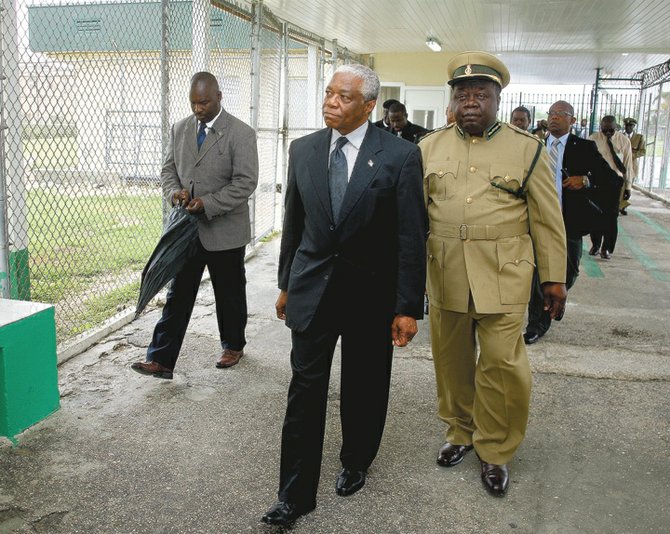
(555, 296)
(181, 198)
(403, 329)
(573, 182)
(626, 194)
(195, 206)
(280, 305)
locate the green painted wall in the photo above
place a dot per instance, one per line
(127, 26)
(28, 368)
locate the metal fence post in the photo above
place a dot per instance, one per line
(200, 35)
(594, 102)
(256, 26)
(284, 110)
(4, 234)
(663, 176)
(165, 84)
(14, 256)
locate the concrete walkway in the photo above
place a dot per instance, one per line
(128, 453)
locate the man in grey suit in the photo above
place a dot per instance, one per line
(211, 167)
(352, 264)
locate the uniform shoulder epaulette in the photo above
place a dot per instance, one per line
(440, 129)
(524, 132)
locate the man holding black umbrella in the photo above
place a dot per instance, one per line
(211, 168)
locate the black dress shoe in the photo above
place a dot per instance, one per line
(349, 482)
(285, 513)
(605, 254)
(495, 478)
(594, 251)
(450, 455)
(531, 337)
(624, 212)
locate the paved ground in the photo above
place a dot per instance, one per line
(127, 453)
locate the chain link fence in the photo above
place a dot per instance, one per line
(88, 92)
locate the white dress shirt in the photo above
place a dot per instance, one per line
(351, 149)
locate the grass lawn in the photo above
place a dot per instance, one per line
(51, 153)
(86, 252)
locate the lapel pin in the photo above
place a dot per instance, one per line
(371, 163)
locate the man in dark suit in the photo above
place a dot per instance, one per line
(584, 183)
(401, 127)
(352, 264)
(211, 167)
(383, 122)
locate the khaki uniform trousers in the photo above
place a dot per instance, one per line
(484, 400)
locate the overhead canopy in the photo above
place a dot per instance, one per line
(548, 41)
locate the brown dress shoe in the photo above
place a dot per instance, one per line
(229, 358)
(152, 368)
(495, 478)
(450, 455)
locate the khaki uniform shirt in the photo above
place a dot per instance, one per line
(484, 240)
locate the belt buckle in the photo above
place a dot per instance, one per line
(463, 231)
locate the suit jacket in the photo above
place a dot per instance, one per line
(582, 207)
(378, 242)
(411, 132)
(485, 239)
(623, 150)
(224, 174)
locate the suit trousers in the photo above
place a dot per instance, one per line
(485, 400)
(608, 233)
(365, 378)
(539, 320)
(227, 272)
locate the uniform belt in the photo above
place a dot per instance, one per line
(478, 231)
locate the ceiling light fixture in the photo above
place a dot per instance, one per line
(433, 44)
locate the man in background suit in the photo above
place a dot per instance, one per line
(211, 167)
(352, 264)
(401, 127)
(521, 118)
(383, 122)
(583, 181)
(616, 150)
(638, 146)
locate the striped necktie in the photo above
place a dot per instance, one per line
(553, 155)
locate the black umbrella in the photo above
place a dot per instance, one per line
(176, 245)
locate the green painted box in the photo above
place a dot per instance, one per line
(28, 365)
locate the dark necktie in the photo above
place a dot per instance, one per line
(338, 176)
(202, 133)
(617, 161)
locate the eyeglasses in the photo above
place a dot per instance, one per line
(562, 114)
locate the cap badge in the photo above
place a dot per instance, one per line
(468, 69)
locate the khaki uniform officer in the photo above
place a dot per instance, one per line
(489, 220)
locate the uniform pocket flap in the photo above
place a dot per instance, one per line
(513, 254)
(506, 177)
(440, 168)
